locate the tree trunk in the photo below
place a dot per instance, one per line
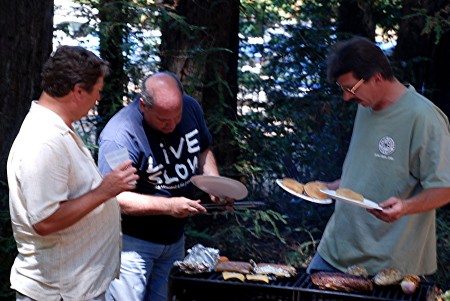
(440, 75)
(355, 17)
(26, 32)
(113, 33)
(203, 51)
(26, 43)
(413, 48)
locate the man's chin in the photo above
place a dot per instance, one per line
(358, 101)
(167, 131)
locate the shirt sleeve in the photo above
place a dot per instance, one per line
(44, 177)
(431, 151)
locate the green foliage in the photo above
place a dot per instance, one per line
(289, 115)
(291, 123)
(443, 245)
(387, 14)
(140, 43)
(301, 116)
(439, 23)
(243, 234)
(257, 16)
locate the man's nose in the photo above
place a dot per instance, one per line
(347, 96)
(170, 124)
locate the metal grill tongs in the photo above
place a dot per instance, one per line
(246, 204)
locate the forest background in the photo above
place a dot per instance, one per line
(258, 70)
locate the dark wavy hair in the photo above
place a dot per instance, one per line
(71, 65)
(360, 56)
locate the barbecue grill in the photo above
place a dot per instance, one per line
(212, 287)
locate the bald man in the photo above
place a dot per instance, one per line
(168, 141)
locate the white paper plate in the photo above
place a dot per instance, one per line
(221, 187)
(303, 196)
(364, 204)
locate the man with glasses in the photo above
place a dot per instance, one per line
(399, 157)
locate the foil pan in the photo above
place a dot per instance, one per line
(200, 259)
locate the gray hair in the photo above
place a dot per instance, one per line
(148, 96)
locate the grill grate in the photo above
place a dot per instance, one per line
(211, 286)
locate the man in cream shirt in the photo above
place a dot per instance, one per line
(65, 218)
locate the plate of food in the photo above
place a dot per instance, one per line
(351, 197)
(221, 187)
(309, 191)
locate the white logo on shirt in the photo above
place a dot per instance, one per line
(386, 145)
(181, 162)
(154, 171)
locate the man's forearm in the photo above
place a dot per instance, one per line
(207, 163)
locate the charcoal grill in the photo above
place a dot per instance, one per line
(212, 287)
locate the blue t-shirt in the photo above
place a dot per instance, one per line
(165, 163)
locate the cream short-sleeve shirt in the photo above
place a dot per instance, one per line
(48, 163)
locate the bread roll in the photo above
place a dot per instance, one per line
(350, 194)
(357, 270)
(388, 276)
(312, 189)
(293, 185)
(260, 278)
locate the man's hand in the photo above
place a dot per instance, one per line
(223, 201)
(123, 178)
(393, 210)
(183, 207)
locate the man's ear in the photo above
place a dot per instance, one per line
(141, 103)
(378, 77)
(77, 91)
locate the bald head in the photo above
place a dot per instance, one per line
(158, 85)
(162, 101)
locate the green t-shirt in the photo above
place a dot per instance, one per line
(397, 152)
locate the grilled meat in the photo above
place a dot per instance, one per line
(341, 282)
(234, 266)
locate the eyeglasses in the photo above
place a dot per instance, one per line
(354, 88)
